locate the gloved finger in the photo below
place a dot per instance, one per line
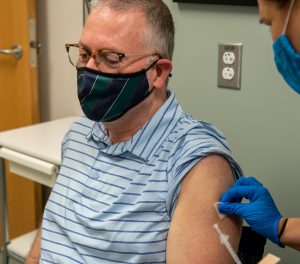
(247, 181)
(253, 181)
(236, 209)
(237, 193)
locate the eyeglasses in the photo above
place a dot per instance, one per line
(79, 56)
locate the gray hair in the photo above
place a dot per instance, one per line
(160, 30)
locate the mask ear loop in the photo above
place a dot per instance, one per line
(288, 17)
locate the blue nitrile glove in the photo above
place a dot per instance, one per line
(260, 213)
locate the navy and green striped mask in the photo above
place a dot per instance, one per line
(105, 97)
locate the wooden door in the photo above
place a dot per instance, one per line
(19, 105)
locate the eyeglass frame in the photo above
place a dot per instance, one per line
(93, 54)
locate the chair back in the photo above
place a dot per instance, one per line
(251, 247)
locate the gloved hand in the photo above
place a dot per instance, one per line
(260, 213)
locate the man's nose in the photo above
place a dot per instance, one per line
(92, 63)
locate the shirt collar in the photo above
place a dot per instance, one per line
(149, 138)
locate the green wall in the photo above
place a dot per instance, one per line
(262, 120)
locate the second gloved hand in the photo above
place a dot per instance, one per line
(260, 213)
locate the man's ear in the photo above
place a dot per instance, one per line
(163, 68)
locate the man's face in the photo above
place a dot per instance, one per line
(116, 31)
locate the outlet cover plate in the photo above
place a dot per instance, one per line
(225, 61)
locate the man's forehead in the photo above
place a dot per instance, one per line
(116, 21)
(106, 13)
(106, 26)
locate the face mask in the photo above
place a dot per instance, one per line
(287, 59)
(105, 97)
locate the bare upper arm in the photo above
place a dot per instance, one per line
(191, 237)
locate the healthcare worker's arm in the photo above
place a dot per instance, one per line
(291, 235)
(191, 237)
(34, 254)
(261, 212)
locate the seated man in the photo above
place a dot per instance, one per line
(139, 177)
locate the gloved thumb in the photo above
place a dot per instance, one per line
(236, 193)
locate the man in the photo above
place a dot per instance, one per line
(139, 177)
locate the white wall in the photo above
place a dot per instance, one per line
(59, 22)
(261, 121)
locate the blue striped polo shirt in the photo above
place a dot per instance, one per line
(113, 203)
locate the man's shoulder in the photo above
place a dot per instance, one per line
(81, 127)
(196, 138)
(78, 134)
(82, 123)
(191, 127)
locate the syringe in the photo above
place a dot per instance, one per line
(224, 240)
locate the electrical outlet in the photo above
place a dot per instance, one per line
(228, 73)
(229, 65)
(228, 57)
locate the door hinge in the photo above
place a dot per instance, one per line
(34, 44)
